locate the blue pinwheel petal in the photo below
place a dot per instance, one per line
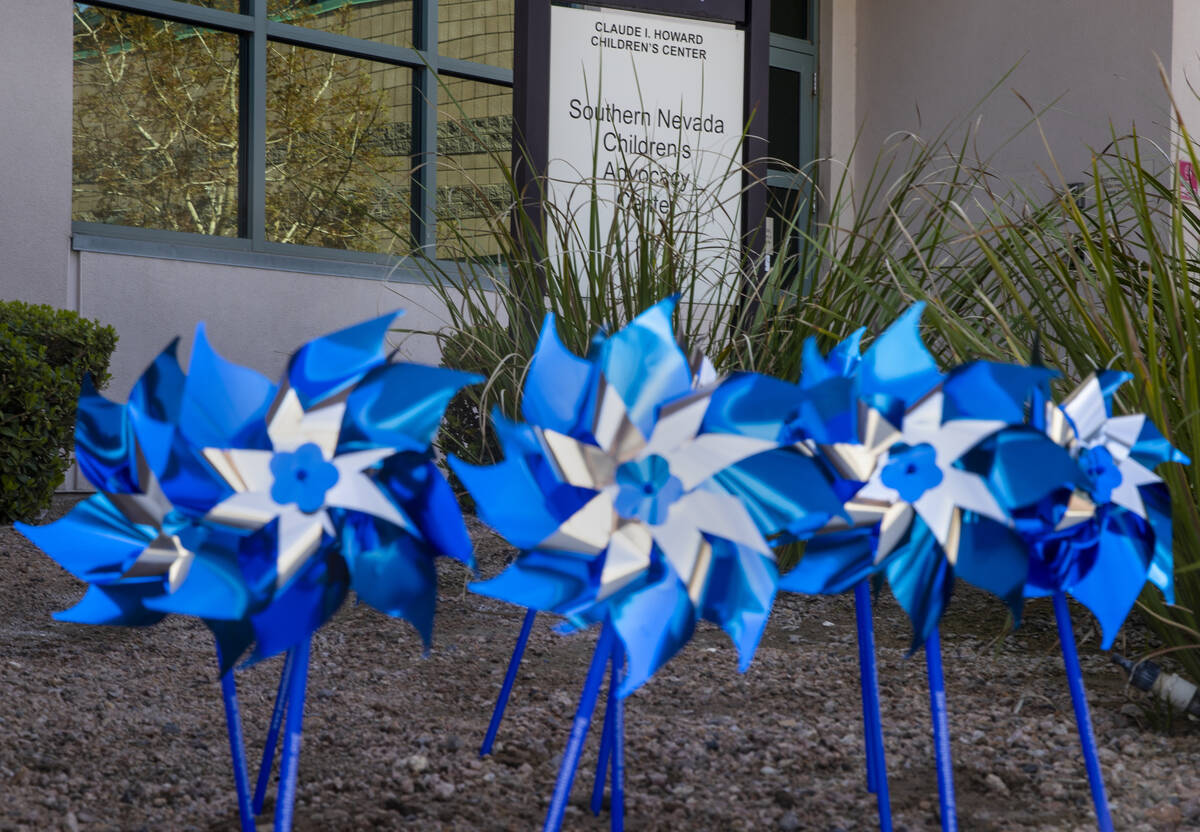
(224, 404)
(545, 580)
(214, 589)
(781, 489)
(158, 392)
(898, 365)
(1152, 448)
(393, 572)
(991, 390)
(653, 623)
(1022, 466)
(556, 385)
(829, 412)
(921, 580)
(94, 541)
(301, 606)
(844, 358)
(1157, 500)
(436, 514)
(104, 442)
(1112, 585)
(399, 406)
(738, 596)
(645, 365)
(233, 639)
(1110, 381)
(750, 404)
(114, 605)
(993, 558)
(832, 564)
(332, 363)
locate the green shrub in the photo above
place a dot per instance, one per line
(44, 354)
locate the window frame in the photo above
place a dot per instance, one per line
(251, 247)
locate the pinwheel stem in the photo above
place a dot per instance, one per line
(877, 781)
(617, 807)
(606, 738)
(237, 747)
(583, 718)
(289, 765)
(1083, 720)
(941, 732)
(510, 676)
(268, 755)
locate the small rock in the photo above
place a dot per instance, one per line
(170, 729)
(418, 763)
(525, 770)
(994, 783)
(768, 771)
(72, 822)
(789, 822)
(1167, 814)
(443, 790)
(784, 798)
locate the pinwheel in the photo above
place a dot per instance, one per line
(1100, 541)
(258, 507)
(903, 441)
(623, 493)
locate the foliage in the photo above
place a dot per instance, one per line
(44, 354)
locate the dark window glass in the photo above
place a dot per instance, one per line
(477, 30)
(155, 133)
(339, 140)
(381, 21)
(790, 17)
(474, 135)
(783, 116)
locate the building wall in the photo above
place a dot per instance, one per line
(925, 63)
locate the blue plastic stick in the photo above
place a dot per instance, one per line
(941, 732)
(617, 807)
(606, 739)
(510, 676)
(862, 611)
(870, 676)
(268, 755)
(237, 746)
(289, 766)
(1083, 720)
(583, 718)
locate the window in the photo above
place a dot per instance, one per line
(353, 129)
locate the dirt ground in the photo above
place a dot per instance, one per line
(123, 729)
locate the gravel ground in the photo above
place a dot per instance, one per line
(115, 728)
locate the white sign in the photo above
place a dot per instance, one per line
(648, 109)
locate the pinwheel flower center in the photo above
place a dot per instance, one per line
(1100, 466)
(911, 471)
(646, 489)
(302, 477)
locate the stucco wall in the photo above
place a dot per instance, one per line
(35, 151)
(924, 63)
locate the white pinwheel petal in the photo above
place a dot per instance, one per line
(723, 515)
(936, 508)
(1085, 408)
(588, 530)
(970, 491)
(242, 468)
(627, 557)
(578, 463)
(358, 492)
(1121, 434)
(299, 539)
(679, 540)
(710, 453)
(678, 421)
(892, 528)
(958, 436)
(292, 426)
(1126, 494)
(245, 510)
(612, 428)
(874, 489)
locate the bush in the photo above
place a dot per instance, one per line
(44, 354)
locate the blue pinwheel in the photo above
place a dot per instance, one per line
(257, 507)
(1104, 537)
(613, 492)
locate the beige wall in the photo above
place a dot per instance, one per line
(924, 63)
